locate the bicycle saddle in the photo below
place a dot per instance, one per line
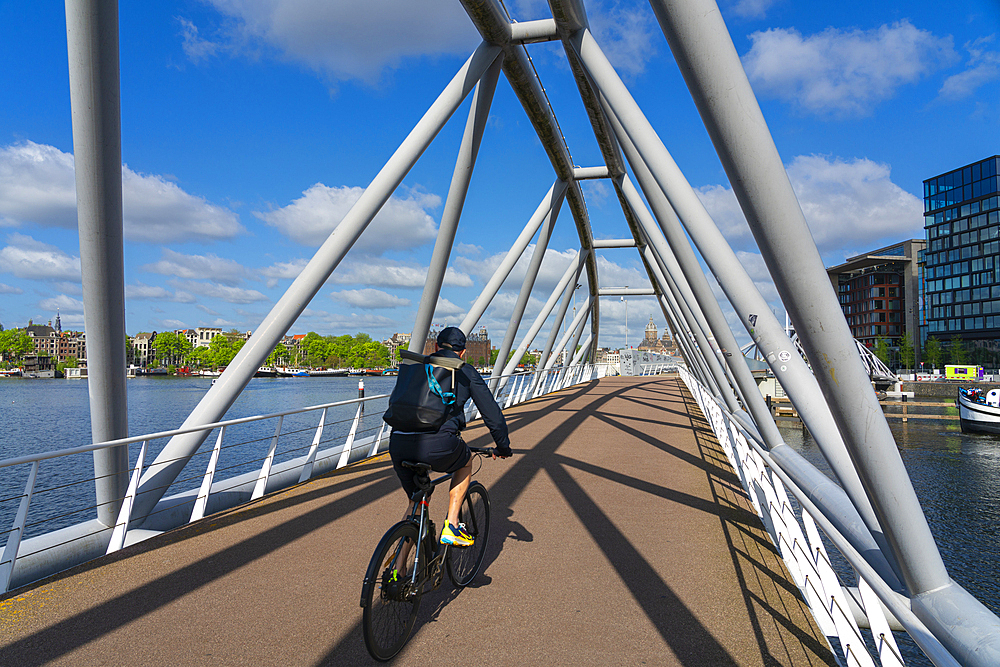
(424, 468)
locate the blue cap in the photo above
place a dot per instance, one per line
(452, 337)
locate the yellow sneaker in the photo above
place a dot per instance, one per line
(456, 536)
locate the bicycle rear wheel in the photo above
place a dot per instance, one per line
(390, 603)
(464, 562)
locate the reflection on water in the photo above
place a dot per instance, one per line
(957, 479)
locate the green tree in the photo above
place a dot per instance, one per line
(932, 351)
(958, 352)
(906, 352)
(278, 355)
(14, 344)
(882, 350)
(171, 348)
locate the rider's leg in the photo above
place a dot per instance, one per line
(459, 485)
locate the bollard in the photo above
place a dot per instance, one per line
(361, 392)
(904, 407)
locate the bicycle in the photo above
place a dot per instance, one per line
(398, 573)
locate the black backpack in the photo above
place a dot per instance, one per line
(424, 392)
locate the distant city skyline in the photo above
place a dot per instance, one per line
(245, 139)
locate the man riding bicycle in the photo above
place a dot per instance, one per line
(444, 448)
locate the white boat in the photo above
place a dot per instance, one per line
(979, 411)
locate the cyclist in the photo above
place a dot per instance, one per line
(444, 449)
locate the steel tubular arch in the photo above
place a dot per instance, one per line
(700, 41)
(534, 264)
(455, 202)
(95, 101)
(220, 396)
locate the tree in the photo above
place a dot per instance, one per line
(171, 348)
(882, 350)
(932, 350)
(906, 352)
(14, 344)
(959, 354)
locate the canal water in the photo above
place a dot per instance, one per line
(39, 416)
(957, 479)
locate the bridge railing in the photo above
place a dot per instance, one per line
(839, 611)
(248, 458)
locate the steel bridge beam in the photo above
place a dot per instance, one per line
(490, 19)
(92, 40)
(464, 164)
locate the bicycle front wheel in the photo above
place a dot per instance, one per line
(464, 562)
(389, 601)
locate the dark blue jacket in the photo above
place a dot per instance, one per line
(469, 384)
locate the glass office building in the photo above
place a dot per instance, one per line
(961, 264)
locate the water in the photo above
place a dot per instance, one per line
(44, 415)
(957, 479)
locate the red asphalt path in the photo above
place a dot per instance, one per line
(620, 536)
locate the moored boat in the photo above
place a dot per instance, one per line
(978, 410)
(328, 372)
(266, 372)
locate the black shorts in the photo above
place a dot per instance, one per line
(444, 450)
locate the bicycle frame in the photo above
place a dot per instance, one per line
(425, 527)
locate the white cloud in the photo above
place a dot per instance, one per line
(843, 72)
(195, 47)
(223, 292)
(142, 291)
(213, 267)
(446, 308)
(369, 298)
(349, 40)
(850, 206)
(551, 270)
(27, 258)
(751, 9)
(983, 67)
(281, 270)
(205, 309)
(628, 35)
(62, 303)
(468, 249)
(390, 273)
(402, 223)
(37, 185)
(157, 211)
(7, 289)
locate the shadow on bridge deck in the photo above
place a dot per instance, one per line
(620, 536)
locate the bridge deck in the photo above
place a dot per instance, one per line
(620, 536)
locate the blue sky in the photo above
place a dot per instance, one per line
(249, 127)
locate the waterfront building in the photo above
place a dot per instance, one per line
(961, 264)
(879, 292)
(477, 346)
(143, 350)
(650, 342)
(393, 343)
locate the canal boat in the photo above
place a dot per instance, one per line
(978, 410)
(328, 372)
(266, 372)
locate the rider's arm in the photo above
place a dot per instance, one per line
(490, 411)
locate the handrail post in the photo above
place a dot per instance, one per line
(17, 530)
(201, 502)
(265, 470)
